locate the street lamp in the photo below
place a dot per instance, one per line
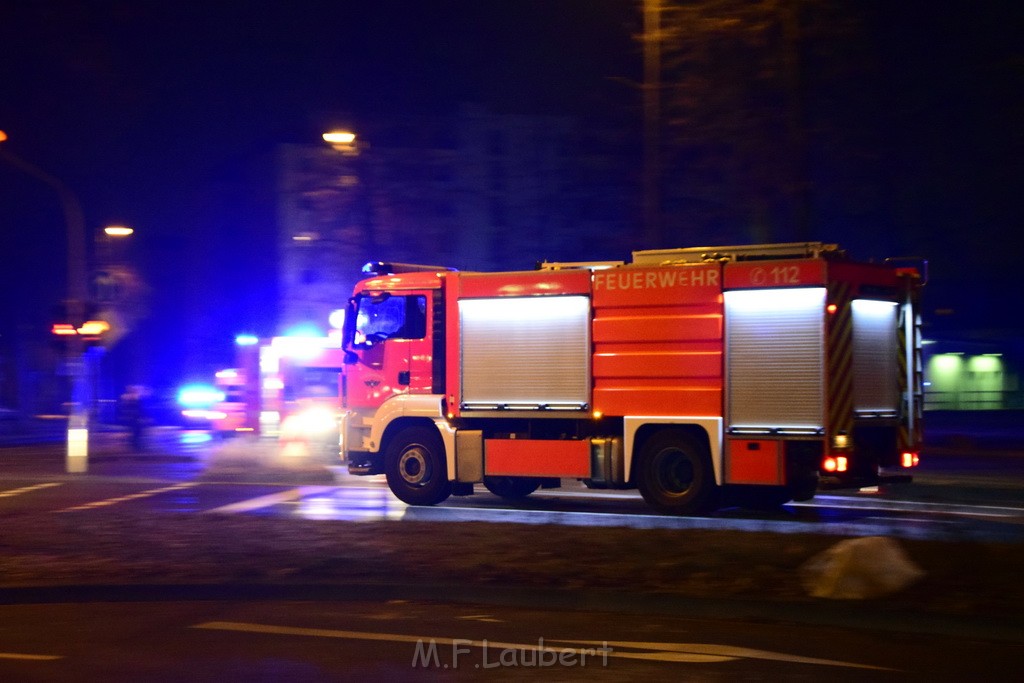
(78, 419)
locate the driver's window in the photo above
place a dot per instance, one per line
(386, 316)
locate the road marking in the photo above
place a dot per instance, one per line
(272, 499)
(710, 649)
(911, 506)
(589, 493)
(124, 499)
(27, 489)
(30, 658)
(701, 653)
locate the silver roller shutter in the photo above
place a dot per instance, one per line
(875, 357)
(525, 352)
(775, 358)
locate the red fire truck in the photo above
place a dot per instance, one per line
(285, 387)
(699, 375)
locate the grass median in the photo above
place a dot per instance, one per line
(971, 579)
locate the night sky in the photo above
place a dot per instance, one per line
(164, 116)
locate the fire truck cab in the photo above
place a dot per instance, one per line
(699, 376)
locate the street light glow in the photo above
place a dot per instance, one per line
(339, 137)
(117, 231)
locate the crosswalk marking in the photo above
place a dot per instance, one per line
(692, 653)
(28, 489)
(272, 499)
(124, 499)
(32, 658)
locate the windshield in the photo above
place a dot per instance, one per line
(387, 316)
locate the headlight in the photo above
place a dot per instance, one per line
(316, 421)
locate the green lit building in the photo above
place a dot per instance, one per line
(972, 375)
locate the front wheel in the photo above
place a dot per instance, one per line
(674, 474)
(415, 467)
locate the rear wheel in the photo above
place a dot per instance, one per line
(415, 467)
(674, 474)
(511, 487)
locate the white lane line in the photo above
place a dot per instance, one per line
(729, 652)
(27, 489)
(821, 500)
(272, 499)
(30, 658)
(124, 499)
(426, 646)
(911, 506)
(589, 493)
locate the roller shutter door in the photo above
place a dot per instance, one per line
(775, 358)
(521, 353)
(875, 357)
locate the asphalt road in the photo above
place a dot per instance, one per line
(955, 494)
(179, 631)
(381, 639)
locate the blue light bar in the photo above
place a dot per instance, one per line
(199, 396)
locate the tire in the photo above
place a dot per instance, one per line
(511, 487)
(415, 467)
(675, 476)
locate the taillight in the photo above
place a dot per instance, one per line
(835, 464)
(909, 459)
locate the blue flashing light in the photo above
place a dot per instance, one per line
(199, 396)
(304, 330)
(196, 437)
(247, 340)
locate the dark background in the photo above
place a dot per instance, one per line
(165, 117)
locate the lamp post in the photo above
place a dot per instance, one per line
(314, 283)
(116, 294)
(111, 244)
(78, 419)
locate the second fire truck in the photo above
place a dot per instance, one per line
(696, 375)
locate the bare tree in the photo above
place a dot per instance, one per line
(743, 105)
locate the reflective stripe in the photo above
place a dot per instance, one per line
(840, 361)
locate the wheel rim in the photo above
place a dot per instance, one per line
(414, 466)
(674, 472)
